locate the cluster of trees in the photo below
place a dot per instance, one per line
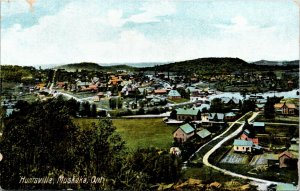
(269, 109)
(184, 94)
(115, 103)
(18, 73)
(41, 140)
(218, 106)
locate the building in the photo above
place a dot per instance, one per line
(188, 114)
(160, 92)
(242, 145)
(183, 133)
(285, 108)
(244, 136)
(230, 116)
(174, 94)
(216, 117)
(204, 135)
(259, 127)
(272, 159)
(285, 159)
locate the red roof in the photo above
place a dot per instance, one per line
(93, 87)
(288, 154)
(161, 91)
(245, 137)
(289, 105)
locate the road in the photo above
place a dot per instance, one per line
(218, 145)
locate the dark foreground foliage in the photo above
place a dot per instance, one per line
(40, 140)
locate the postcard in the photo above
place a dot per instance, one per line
(149, 95)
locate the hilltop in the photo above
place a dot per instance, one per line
(215, 66)
(93, 67)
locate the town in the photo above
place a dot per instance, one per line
(198, 117)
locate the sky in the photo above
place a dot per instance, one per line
(52, 32)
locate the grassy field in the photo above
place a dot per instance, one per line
(140, 133)
(279, 119)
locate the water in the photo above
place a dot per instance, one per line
(287, 94)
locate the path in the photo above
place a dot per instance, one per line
(232, 135)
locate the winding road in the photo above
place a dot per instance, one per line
(217, 142)
(218, 145)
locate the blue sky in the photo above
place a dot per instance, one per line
(44, 32)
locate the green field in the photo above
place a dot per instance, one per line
(140, 133)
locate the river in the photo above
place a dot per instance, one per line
(286, 94)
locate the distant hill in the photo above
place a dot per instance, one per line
(276, 63)
(205, 65)
(93, 67)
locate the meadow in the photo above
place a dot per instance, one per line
(139, 133)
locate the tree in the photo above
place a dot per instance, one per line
(44, 142)
(86, 109)
(72, 104)
(112, 103)
(120, 103)
(173, 114)
(94, 111)
(269, 109)
(248, 105)
(217, 105)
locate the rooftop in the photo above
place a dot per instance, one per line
(239, 142)
(203, 133)
(173, 93)
(191, 111)
(187, 128)
(259, 124)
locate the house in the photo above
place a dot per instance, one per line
(285, 108)
(174, 94)
(191, 114)
(183, 133)
(60, 85)
(259, 127)
(204, 134)
(230, 116)
(259, 107)
(216, 117)
(242, 145)
(286, 159)
(115, 80)
(193, 91)
(160, 92)
(230, 101)
(244, 136)
(272, 159)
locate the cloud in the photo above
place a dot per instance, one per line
(92, 31)
(238, 24)
(152, 11)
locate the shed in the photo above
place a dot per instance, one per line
(259, 127)
(203, 134)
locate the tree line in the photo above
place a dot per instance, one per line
(41, 140)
